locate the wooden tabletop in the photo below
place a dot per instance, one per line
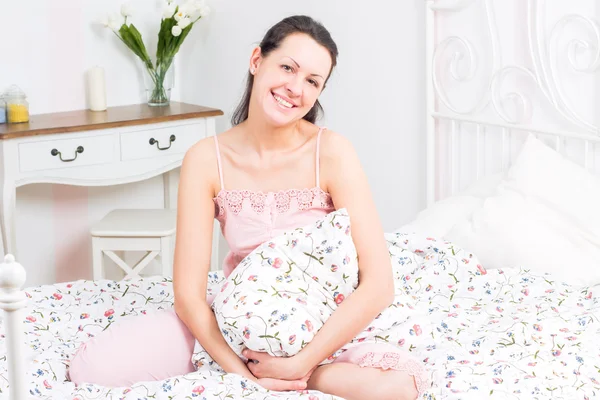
(113, 117)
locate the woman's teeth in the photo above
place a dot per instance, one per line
(282, 101)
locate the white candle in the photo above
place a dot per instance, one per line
(96, 89)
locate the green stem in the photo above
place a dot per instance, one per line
(158, 74)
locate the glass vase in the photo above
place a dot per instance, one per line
(158, 82)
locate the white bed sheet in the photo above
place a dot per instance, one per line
(497, 334)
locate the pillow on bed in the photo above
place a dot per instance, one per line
(438, 219)
(515, 231)
(292, 283)
(542, 173)
(532, 223)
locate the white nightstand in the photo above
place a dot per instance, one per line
(118, 146)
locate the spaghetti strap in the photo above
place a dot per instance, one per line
(219, 162)
(317, 156)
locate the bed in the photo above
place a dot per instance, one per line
(497, 280)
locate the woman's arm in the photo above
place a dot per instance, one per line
(348, 186)
(195, 216)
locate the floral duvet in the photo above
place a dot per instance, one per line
(497, 334)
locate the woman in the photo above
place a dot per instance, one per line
(248, 179)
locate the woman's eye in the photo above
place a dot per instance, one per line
(313, 82)
(287, 67)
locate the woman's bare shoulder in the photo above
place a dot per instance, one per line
(335, 146)
(201, 153)
(204, 152)
(338, 158)
(200, 163)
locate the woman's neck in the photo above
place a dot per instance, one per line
(266, 138)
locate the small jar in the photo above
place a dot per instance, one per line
(17, 107)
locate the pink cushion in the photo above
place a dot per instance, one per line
(148, 347)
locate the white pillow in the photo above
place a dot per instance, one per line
(546, 175)
(514, 231)
(439, 218)
(486, 186)
(531, 223)
(290, 284)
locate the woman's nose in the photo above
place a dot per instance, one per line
(294, 86)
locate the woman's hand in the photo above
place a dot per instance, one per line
(283, 368)
(280, 385)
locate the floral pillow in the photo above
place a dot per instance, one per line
(282, 293)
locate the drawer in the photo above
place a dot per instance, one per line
(67, 153)
(150, 143)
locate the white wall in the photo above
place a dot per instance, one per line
(375, 98)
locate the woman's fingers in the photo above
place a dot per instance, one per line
(307, 377)
(254, 369)
(279, 385)
(253, 355)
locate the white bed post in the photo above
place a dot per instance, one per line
(12, 301)
(430, 100)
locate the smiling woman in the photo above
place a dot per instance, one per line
(282, 172)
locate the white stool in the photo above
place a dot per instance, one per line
(149, 230)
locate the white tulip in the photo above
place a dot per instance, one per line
(204, 11)
(187, 8)
(126, 10)
(193, 8)
(169, 10)
(114, 25)
(193, 14)
(114, 22)
(176, 30)
(180, 15)
(184, 22)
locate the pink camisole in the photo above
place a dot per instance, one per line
(249, 218)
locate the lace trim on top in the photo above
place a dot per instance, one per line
(234, 199)
(397, 362)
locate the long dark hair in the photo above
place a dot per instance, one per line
(271, 41)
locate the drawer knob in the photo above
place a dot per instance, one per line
(55, 152)
(154, 141)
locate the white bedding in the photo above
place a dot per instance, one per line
(496, 334)
(541, 214)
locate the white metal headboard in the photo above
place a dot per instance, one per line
(498, 70)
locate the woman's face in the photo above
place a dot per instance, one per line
(289, 80)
